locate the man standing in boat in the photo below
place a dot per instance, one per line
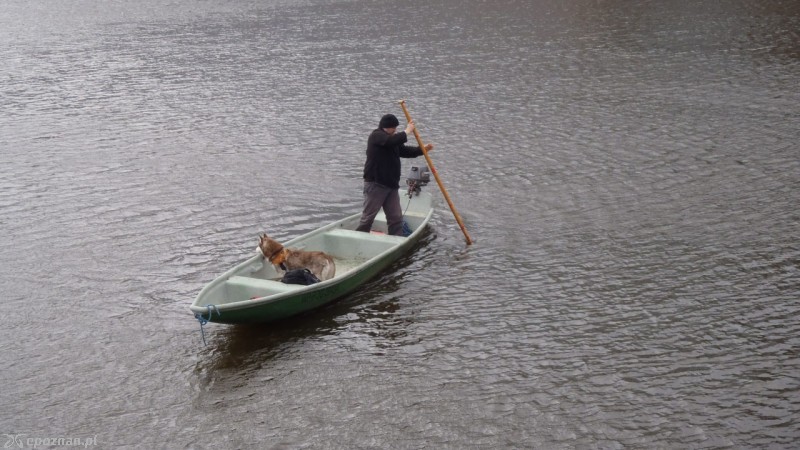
(385, 147)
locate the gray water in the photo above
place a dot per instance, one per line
(629, 170)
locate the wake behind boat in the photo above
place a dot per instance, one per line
(252, 292)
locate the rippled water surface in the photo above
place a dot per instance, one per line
(630, 172)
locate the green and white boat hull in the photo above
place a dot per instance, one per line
(252, 293)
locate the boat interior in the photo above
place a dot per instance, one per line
(349, 248)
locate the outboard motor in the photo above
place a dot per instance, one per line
(417, 177)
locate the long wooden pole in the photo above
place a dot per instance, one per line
(436, 175)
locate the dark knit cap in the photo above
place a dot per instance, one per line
(389, 121)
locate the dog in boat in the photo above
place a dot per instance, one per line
(319, 263)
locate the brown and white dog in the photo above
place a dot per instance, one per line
(319, 263)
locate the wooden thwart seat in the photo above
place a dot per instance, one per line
(365, 237)
(259, 286)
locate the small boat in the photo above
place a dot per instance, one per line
(252, 292)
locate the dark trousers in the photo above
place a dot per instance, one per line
(377, 196)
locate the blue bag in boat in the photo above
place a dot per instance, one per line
(299, 276)
(406, 229)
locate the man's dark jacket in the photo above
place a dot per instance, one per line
(383, 157)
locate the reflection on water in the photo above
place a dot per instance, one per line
(628, 171)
